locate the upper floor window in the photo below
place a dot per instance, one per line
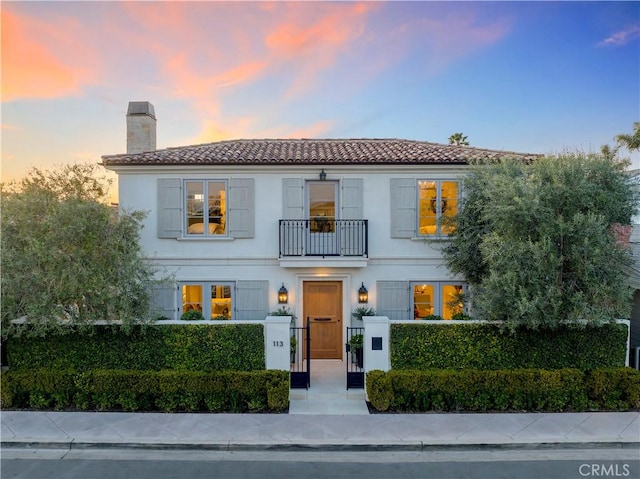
(437, 199)
(206, 207)
(423, 207)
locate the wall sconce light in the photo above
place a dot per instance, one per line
(363, 294)
(323, 175)
(283, 295)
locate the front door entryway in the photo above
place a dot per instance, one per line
(322, 304)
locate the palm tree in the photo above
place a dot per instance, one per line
(458, 139)
(608, 152)
(631, 142)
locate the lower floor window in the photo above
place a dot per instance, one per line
(442, 299)
(213, 299)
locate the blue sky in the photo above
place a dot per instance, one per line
(520, 76)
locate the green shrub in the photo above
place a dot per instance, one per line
(504, 390)
(192, 315)
(193, 347)
(486, 346)
(132, 390)
(614, 388)
(38, 389)
(379, 390)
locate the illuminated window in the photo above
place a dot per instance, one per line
(219, 304)
(437, 199)
(322, 206)
(206, 207)
(442, 299)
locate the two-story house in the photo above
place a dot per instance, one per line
(323, 224)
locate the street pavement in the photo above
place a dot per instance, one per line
(201, 431)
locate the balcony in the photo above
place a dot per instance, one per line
(324, 239)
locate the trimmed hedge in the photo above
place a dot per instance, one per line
(486, 346)
(504, 390)
(132, 390)
(193, 347)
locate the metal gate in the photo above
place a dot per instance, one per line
(300, 341)
(355, 358)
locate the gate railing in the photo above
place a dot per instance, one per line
(355, 358)
(300, 346)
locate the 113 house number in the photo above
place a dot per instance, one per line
(278, 344)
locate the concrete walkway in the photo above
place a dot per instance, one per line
(286, 431)
(328, 393)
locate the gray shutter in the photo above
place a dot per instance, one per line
(393, 299)
(351, 199)
(163, 300)
(241, 208)
(252, 299)
(403, 207)
(292, 199)
(169, 207)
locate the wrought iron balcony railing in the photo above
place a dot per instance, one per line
(324, 237)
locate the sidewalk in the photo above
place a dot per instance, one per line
(318, 432)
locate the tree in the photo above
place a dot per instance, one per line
(609, 152)
(458, 139)
(630, 142)
(536, 242)
(68, 258)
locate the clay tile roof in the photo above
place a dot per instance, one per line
(312, 152)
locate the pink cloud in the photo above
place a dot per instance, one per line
(621, 37)
(314, 36)
(44, 59)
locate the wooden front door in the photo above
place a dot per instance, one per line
(322, 304)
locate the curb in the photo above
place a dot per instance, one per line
(318, 447)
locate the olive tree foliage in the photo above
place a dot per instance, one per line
(536, 244)
(68, 258)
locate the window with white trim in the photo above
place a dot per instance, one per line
(215, 300)
(437, 199)
(206, 207)
(439, 298)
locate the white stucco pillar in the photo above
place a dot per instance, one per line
(376, 343)
(276, 342)
(627, 323)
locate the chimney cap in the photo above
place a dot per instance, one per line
(141, 108)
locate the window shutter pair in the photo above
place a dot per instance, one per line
(241, 209)
(251, 300)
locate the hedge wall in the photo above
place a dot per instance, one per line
(132, 390)
(485, 346)
(500, 390)
(226, 347)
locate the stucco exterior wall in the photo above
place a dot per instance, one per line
(225, 259)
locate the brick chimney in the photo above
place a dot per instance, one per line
(141, 127)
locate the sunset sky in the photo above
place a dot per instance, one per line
(528, 77)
